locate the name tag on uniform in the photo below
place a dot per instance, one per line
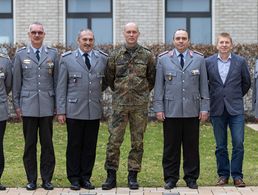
(195, 72)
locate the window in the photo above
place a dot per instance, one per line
(92, 14)
(6, 21)
(194, 16)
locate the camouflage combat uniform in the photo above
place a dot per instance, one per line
(130, 74)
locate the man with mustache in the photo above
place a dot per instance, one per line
(79, 105)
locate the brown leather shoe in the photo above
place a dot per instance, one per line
(222, 181)
(239, 183)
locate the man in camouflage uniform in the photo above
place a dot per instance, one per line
(130, 74)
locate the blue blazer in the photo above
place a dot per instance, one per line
(230, 94)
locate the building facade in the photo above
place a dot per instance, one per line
(157, 19)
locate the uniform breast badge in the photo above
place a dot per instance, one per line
(169, 76)
(50, 65)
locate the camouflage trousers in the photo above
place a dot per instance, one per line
(137, 116)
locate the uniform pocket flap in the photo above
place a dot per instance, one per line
(169, 97)
(172, 73)
(51, 93)
(25, 93)
(75, 74)
(2, 99)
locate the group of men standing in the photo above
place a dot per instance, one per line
(187, 89)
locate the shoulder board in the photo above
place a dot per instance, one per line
(20, 49)
(197, 52)
(103, 53)
(163, 53)
(66, 53)
(3, 55)
(51, 48)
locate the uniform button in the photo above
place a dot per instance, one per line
(39, 68)
(90, 91)
(90, 83)
(39, 83)
(183, 81)
(183, 89)
(183, 98)
(39, 75)
(89, 100)
(39, 90)
(183, 72)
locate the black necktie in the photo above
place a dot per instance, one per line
(37, 54)
(182, 62)
(87, 60)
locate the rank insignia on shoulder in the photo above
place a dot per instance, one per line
(20, 49)
(163, 53)
(3, 55)
(103, 53)
(197, 52)
(66, 53)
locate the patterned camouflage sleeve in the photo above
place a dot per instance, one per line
(110, 71)
(151, 71)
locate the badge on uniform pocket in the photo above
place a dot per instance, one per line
(169, 76)
(50, 67)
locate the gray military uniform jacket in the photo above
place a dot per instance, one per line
(79, 89)
(5, 85)
(255, 91)
(181, 92)
(34, 81)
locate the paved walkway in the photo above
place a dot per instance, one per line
(228, 190)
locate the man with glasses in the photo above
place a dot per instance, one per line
(34, 81)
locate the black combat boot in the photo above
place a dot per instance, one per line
(132, 180)
(110, 181)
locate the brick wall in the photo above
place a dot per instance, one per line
(48, 12)
(239, 18)
(148, 14)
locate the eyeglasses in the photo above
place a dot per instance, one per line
(37, 32)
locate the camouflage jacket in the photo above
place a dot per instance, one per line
(131, 75)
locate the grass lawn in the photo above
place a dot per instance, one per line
(151, 174)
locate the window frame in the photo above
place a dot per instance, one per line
(9, 15)
(188, 16)
(87, 15)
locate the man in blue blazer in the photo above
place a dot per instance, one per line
(229, 81)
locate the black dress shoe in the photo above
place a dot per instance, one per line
(47, 185)
(169, 185)
(31, 186)
(192, 184)
(75, 185)
(2, 187)
(87, 185)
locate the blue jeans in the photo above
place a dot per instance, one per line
(236, 126)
